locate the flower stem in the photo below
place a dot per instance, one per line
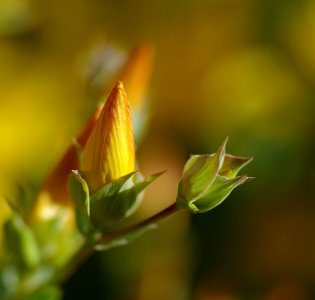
(152, 220)
(88, 248)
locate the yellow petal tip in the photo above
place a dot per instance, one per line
(119, 85)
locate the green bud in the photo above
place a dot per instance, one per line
(208, 179)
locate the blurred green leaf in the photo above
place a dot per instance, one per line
(20, 241)
(49, 292)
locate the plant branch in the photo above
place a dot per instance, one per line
(152, 220)
(88, 248)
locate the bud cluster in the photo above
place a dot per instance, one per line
(86, 202)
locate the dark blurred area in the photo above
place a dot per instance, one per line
(242, 68)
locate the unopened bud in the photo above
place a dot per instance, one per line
(110, 153)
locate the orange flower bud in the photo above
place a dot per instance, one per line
(54, 195)
(110, 152)
(137, 72)
(56, 184)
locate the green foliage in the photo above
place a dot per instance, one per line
(20, 241)
(49, 292)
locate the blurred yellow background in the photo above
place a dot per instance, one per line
(243, 68)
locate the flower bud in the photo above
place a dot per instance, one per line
(110, 153)
(54, 196)
(208, 179)
(56, 184)
(136, 74)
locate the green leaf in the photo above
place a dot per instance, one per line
(218, 192)
(199, 173)
(49, 292)
(118, 199)
(21, 242)
(124, 240)
(80, 194)
(24, 200)
(57, 242)
(233, 164)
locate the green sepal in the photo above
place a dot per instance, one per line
(233, 164)
(218, 192)
(125, 239)
(21, 242)
(208, 179)
(118, 199)
(80, 194)
(199, 173)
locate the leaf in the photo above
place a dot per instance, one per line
(124, 240)
(20, 241)
(24, 201)
(199, 173)
(80, 194)
(49, 292)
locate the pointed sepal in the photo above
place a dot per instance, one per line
(79, 191)
(118, 199)
(233, 164)
(199, 173)
(218, 192)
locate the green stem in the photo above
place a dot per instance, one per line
(88, 248)
(152, 220)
